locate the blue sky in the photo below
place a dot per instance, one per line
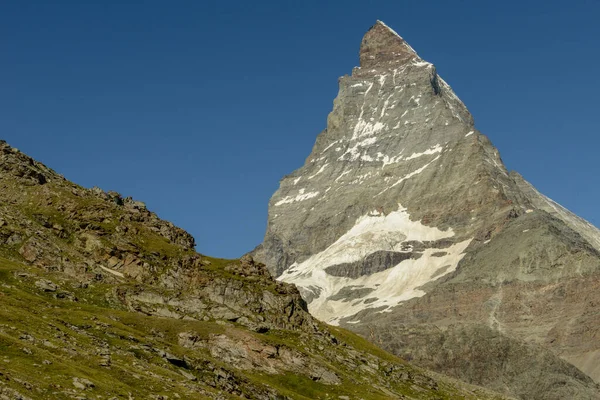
(198, 108)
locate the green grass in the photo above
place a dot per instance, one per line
(363, 345)
(80, 326)
(151, 242)
(303, 388)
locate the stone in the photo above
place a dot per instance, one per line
(188, 376)
(31, 250)
(83, 383)
(13, 239)
(46, 285)
(90, 242)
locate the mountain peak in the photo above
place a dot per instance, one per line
(382, 46)
(384, 25)
(404, 207)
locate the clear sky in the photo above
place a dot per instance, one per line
(199, 107)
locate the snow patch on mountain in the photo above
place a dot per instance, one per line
(371, 233)
(319, 171)
(434, 149)
(301, 196)
(408, 176)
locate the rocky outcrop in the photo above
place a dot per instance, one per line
(405, 214)
(17, 164)
(248, 353)
(243, 292)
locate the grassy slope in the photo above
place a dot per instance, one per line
(46, 341)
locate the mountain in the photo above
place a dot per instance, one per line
(102, 299)
(405, 226)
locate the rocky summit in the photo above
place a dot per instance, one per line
(102, 299)
(404, 225)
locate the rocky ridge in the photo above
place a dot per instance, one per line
(404, 215)
(102, 299)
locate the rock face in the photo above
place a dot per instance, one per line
(103, 299)
(404, 215)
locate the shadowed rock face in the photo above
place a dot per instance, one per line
(401, 169)
(371, 264)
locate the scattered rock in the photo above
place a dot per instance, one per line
(13, 239)
(188, 375)
(83, 383)
(31, 250)
(46, 285)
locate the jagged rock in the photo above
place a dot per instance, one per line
(83, 383)
(90, 242)
(405, 213)
(28, 337)
(46, 285)
(12, 394)
(105, 357)
(248, 268)
(31, 250)
(14, 239)
(188, 376)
